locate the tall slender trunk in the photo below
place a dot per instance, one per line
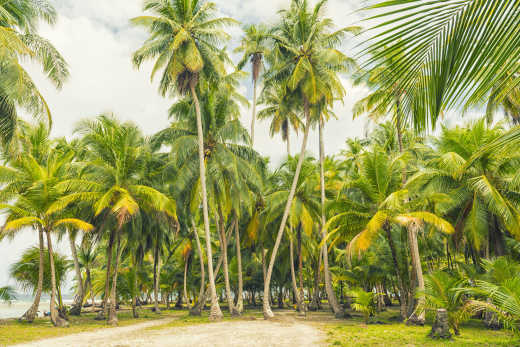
(402, 290)
(299, 305)
(413, 228)
(156, 272)
(80, 293)
(197, 309)
(104, 313)
(253, 118)
(300, 261)
(316, 300)
(268, 313)
(288, 141)
(216, 313)
(32, 312)
(333, 301)
(56, 320)
(240, 299)
(112, 314)
(224, 246)
(185, 281)
(88, 284)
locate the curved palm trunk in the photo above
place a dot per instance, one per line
(112, 314)
(268, 313)
(240, 300)
(413, 229)
(56, 320)
(31, 313)
(197, 309)
(333, 301)
(224, 246)
(253, 119)
(80, 294)
(156, 272)
(216, 313)
(299, 305)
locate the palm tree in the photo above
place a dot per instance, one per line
(112, 184)
(7, 294)
(184, 38)
(254, 46)
(379, 205)
(31, 186)
(18, 32)
(306, 64)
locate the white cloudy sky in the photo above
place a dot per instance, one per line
(97, 41)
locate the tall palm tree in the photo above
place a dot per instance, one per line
(29, 195)
(112, 184)
(254, 46)
(306, 63)
(184, 39)
(20, 40)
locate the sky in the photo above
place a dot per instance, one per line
(97, 41)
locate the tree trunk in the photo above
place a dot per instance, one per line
(56, 320)
(268, 313)
(104, 312)
(288, 141)
(216, 313)
(224, 246)
(300, 264)
(299, 304)
(240, 299)
(112, 314)
(440, 328)
(402, 291)
(413, 228)
(32, 312)
(156, 272)
(185, 289)
(78, 298)
(196, 310)
(333, 301)
(253, 119)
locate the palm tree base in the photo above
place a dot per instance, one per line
(415, 320)
(215, 312)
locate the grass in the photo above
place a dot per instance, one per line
(12, 331)
(388, 332)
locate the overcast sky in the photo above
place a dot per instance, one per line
(97, 41)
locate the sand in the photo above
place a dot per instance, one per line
(286, 332)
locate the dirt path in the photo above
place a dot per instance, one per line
(231, 333)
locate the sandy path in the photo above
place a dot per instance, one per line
(231, 333)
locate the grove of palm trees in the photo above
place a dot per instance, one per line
(409, 235)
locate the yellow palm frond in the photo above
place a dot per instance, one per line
(77, 223)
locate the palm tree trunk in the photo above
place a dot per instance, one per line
(299, 305)
(240, 299)
(156, 271)
(333, 301)
(56, 320)
(185, 281)
(224, 246)
(416, 318)
(268, 313)
(402, 290)
(78, 298)
(197, 309)
(31, 313)
(104, 312)
(216, 313)
(288, 141)
(112, 314)
(253, 119)
(300, 261)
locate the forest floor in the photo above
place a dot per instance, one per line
(177, 328)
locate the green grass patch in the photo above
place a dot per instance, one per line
(387, 332)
